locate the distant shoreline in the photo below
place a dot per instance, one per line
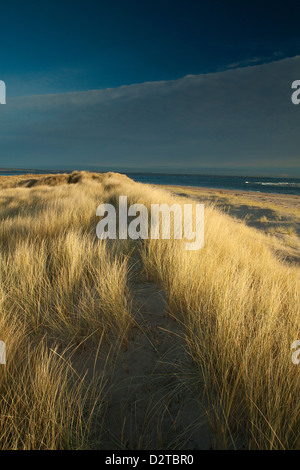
(239, 184)
(236, 192)
(238, 197)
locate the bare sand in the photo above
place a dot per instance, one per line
(277, 215)
(151, 403)
(283, 200)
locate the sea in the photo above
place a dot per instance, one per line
(278, 185)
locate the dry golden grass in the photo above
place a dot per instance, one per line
(238, 305)
(59, 286)
(276, 215)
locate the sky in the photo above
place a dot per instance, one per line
(188, 85)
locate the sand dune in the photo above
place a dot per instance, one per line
(130, 344)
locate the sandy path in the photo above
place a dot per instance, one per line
(150, 408)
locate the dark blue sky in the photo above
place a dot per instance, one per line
(218, 91)
(57, 46)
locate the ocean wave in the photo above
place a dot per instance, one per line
(280, 183)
